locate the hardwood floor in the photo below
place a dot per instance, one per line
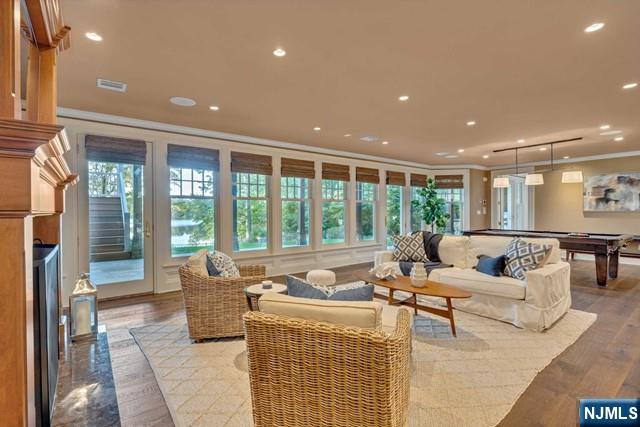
(604, 362)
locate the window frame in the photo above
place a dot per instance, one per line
(310, 202)
(450, 204)
(401, 210)
(345, 212)
(373, 202)
(266, 198)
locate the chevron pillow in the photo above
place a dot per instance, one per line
(523, 257)
(409, 248)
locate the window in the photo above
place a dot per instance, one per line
(453, 198)
(333, 211)
(394, 212)
(296, 206)
(192, 210)
(365, 211)
(416, 216)
(250, 211)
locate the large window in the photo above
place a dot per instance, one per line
(296, 205)
(453, 198)
(333, 211)
(365, 211)
(250, 211)
(416, 216)
(192, 210)
(394, 212)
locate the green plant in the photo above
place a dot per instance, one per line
(432, 208)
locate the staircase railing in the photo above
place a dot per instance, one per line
(111, 184)
(126, 221)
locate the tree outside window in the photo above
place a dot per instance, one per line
(365, 211)
(454, 199)
(333, 211)
(250, 211)
(296, 206)
(394, 212)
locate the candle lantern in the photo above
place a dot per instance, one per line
(83, 308)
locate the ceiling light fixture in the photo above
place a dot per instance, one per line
(347, 135)
(604, 127)
(501, 182)
(214, 107)
(572, 177)
(619, 138)
(610, 132)
(442, 153)
(521, 141)
(317, 128)
(543, 148)
(565, 157)
(486, 156)
(385, 142)
(461, 150)
(451, 156)
(594, 27)
(471, 123)
(182, 102)
(93, 37)
(279, 52)
(534, 179)
(630, 85)
(403, 98)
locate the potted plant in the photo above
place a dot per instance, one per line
(432, 208)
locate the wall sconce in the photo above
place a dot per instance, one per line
(572, 177)
(534, 179)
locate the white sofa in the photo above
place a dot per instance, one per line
(535, 303)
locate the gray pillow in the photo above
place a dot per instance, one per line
(409, 248)
(351, 292)
(523, 257)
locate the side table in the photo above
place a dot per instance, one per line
(256, 291)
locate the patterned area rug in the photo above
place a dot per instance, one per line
(471, 380)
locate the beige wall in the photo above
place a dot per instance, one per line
(479, 190)
(558, 206)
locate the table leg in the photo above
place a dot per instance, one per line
(249, 303)
(601, 268)
(415, 301)
(453, 323)
(390, 297)
(614, 259)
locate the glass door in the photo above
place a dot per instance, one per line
(512, 205)
(117, 244)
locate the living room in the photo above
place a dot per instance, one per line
(236, 213)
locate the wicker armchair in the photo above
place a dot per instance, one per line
(308, 373)
(215, 305)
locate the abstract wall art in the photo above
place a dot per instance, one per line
(615, 192)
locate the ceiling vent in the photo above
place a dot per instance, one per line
(369, 138)
(111, 85)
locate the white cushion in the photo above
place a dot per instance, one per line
(453, 250)
(476, 282)
(198, 262)
(492, 246)
(362, 314)
(321, 277)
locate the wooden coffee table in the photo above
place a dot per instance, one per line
(433, 289)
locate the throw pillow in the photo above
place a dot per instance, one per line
(198, 262)
(523, 257)
(211, 268)
(351, 292)
(224, 265)
(409, 248)
(491, 266)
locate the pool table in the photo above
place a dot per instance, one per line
(605, 247)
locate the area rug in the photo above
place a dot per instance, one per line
(471, 380)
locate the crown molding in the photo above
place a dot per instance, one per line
(570, 160)
(90, 116)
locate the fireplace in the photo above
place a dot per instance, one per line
(46, 276)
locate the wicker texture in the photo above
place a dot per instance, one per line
(307, 373)
(215, 305)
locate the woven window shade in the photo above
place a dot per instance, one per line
(182, 156)
(396, 178)
(367, 175)
(115, 150)
(449, 181)
(418, 180)
(335, 172)
(251, 163)
(297, 168)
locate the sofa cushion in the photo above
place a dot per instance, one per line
(297, 287)
(409, 248)
(198, 263)
(453, 250)
(493, 266)
(477, 282)
(523, 257)
(361, 314)
(224, 265)
(492, 246)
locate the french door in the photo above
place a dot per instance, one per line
(116, 237)
(512, 206)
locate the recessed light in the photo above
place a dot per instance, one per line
(604, 127)
(486, 156)
(214, 107)
(403, 98)
(543, 148)
(451, 156)
(183, 102)
(442, 153)
(385, 142)
(93, 36)
(279, 52)
(471, 123)
(619, 138)
(630, 85)
(347, 135)
(316, 128)
(521, 141)
(461, 150)
(610, 132)
(369, 138)
(565, 157)
(594, 27)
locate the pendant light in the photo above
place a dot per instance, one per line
(572, 177)
(534, 179)
(501, 182)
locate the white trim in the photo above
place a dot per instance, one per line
(72, 113)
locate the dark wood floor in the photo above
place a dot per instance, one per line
(604, 362)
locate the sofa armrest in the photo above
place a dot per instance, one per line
(380, 257)
(548, 285)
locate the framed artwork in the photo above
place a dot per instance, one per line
(614, 192)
